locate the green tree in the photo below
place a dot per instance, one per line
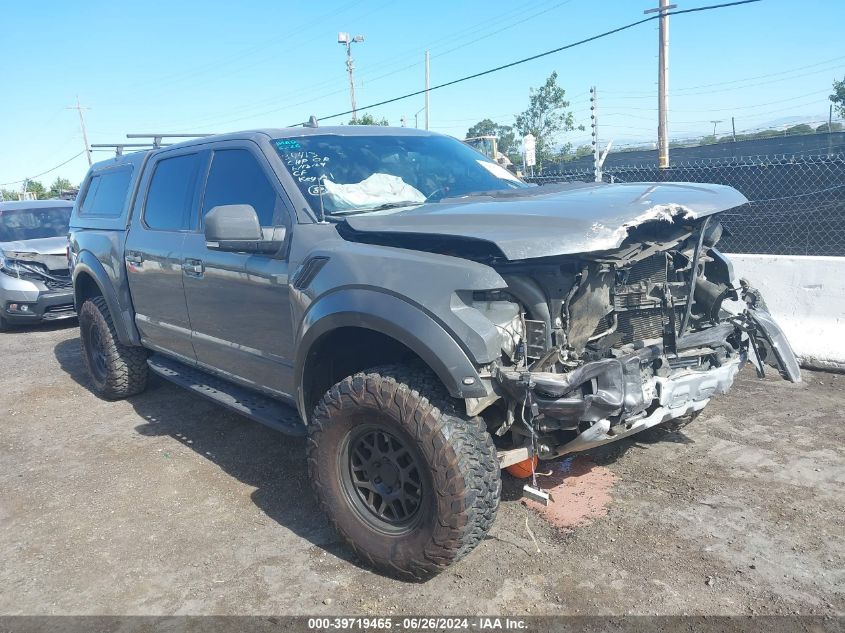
(8, 194)
(838, 97)
(368, 119)
(583, 150)
(505, 136)
(59, 185)
(579, 152)
(802, 128)
(546, 117)
(37, 188)
(835, 126)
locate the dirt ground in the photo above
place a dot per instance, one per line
(167, 504)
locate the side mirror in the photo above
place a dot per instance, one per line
(235, 228)
(232, 222)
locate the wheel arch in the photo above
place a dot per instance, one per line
(385, 329)
(90, 279)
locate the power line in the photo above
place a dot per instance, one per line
(726, 87)
(742, 80)
(731, 108)
(757, 105)
(14, 182)
(505, 28)
(366, 75)
(215, 65)
(538, 56)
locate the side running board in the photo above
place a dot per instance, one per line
(277, 415)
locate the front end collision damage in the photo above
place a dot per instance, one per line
(622, 340)
(614, 310)
(623, 403)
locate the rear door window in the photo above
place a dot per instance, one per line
(236, 177)
(171, 193)
(107, 192)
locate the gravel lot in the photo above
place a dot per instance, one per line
(167, 504)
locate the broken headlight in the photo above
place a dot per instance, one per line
(14, 267)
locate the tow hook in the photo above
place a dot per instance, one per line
(533, 491)
(537, 494)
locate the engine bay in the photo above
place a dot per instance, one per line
(600, 345)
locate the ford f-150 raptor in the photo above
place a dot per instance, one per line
(422, 315)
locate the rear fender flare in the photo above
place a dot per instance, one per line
(87, 263)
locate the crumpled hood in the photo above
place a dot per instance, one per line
(555, 219)
(50, 251)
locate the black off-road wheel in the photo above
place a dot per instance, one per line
(116, 370)
(4, 324)
(409, 482)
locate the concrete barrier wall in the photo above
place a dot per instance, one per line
(806, 295)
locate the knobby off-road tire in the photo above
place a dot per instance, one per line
(116, 370)
(4, 325)
(403, 422)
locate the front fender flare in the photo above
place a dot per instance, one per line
(124, 324)
(396, 318)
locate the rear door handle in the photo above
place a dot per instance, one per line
(193, 267)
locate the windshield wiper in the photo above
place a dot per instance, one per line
(381, 207)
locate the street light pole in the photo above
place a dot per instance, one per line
(345, 39)
(350, 68)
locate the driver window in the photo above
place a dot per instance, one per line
(237, 178)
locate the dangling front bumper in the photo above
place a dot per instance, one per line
(771, 346)
(608, 399)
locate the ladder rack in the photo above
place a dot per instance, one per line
(157, 137)
(119, 147)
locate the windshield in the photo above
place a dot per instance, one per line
(31, 224)
(353, 174)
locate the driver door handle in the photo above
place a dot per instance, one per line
(193, 267)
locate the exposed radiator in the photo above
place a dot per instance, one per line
(650, 269)
(634, 322)
(643, 324)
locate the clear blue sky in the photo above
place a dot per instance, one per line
(213, 66)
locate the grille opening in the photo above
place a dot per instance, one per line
(634, 322)
(652, 269)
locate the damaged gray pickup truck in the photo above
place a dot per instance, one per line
(422, 315)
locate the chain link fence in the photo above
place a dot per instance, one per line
(796, 204)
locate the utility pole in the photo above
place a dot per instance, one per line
(715, 123)
(663, 84)
(79, 109)
(345, 39)
(733, 128)
(427, 86)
